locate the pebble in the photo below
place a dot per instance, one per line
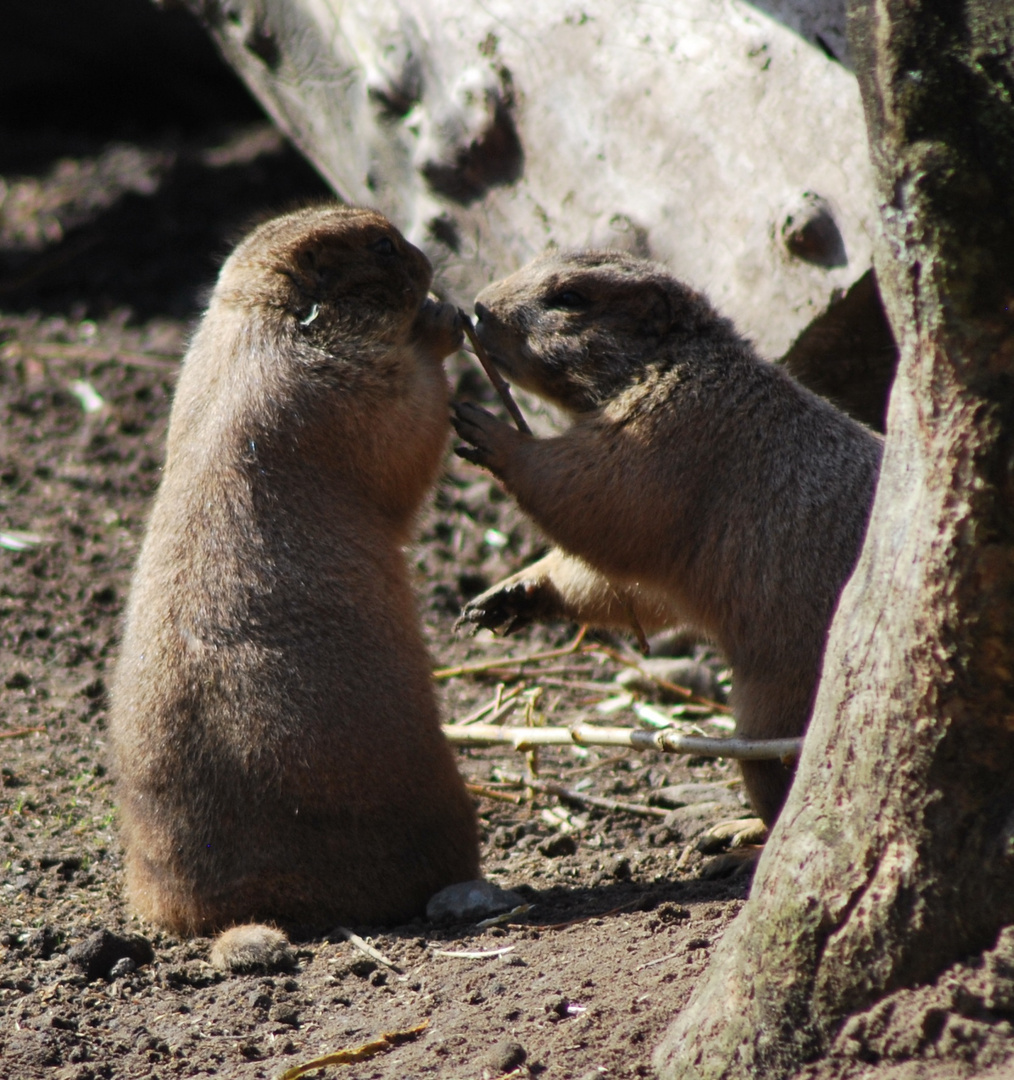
(469, 901)
(619, 868)
(502, 1058)
(124, 966)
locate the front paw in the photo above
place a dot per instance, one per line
(504, 608)
(438, 329)
(491, 439)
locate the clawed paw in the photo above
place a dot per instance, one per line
(503, 609)
(489, 437)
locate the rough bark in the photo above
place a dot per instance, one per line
(894, 856)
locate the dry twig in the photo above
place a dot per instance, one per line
(489, 793)
(552, 787)
(367, 948)
(473, 954)
(359, 1053)
(658, 960)
(495, 706)
(671, 742)
(511, 661)
(492, 374)
(503, 917)
(595, 915)
(18, 732)
(675, 688)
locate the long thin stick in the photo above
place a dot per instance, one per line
(488, 793)
(511, 661)
(504, 662)
(669, 742)
(494, 376)
(682, 691)
(495, 706)
(551, 787)
(473, 954)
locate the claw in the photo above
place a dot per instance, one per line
(470, 453)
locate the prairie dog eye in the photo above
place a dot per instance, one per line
(569, 300)
(383, 246)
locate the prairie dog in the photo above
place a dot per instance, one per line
(276, 738)
(697, 484)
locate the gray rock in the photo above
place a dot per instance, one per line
(124, 966)
(469, 901)
(429, 130)
(506, 1055)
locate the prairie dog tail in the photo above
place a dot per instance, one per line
(252, 947)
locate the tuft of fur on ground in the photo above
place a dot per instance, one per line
(252, 948)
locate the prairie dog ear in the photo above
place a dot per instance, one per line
(673, 308)
(658, 310)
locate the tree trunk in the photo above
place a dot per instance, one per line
(894, 856)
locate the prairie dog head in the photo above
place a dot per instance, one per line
(578, 328)
(320, 346)
(338, 278)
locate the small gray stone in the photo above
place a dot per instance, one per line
(502, 1058)
(469, 901)
(123, 966)
(620, 868)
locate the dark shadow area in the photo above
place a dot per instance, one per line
(560, 907)
(848, 354)
(111, 69)
(156, 252)
(820, 22)
(131, 157)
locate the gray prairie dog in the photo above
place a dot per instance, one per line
(277, 745)
(697, 485)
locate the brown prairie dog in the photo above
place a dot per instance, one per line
(276, 737)
(697, 484)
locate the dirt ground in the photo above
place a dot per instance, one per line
(107, 240)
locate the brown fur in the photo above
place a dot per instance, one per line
(277, 743)
(697, 485)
